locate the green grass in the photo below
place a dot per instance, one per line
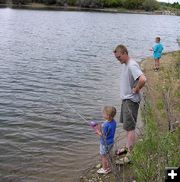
(159, 149)
(155, 151)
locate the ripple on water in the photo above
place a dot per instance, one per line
(54, 65)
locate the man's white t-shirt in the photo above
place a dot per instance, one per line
(129, 75)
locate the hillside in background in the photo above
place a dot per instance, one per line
(147, 5)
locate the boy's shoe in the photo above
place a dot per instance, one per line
(103, 171)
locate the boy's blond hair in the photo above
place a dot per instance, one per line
(110, 111)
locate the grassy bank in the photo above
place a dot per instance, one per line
(159, 146)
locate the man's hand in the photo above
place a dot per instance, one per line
(141, 82)
(135, 90)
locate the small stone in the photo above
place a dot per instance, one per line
(98, 165)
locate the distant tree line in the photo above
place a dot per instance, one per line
(128, 4)
(169, 5)
(148, 5)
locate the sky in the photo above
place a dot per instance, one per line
(169, 1)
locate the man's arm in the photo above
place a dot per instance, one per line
(141, 82)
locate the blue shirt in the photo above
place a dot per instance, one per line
(108, 130)
(157, 50)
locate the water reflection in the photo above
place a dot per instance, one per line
(49, 56)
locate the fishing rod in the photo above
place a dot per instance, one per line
(75, 111)
(91, 123)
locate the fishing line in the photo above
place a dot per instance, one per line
(110, 159)
(80, 115)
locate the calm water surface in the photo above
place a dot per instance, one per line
(48, 58)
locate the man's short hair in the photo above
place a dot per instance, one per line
(122, 48)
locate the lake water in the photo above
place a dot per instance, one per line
(50, 60)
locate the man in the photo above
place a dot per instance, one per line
(132, 80)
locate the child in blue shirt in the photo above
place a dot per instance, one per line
(106, 131)
(157, 51)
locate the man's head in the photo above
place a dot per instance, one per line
(121, 53)
(158, 39)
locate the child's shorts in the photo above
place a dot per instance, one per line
(105, 149)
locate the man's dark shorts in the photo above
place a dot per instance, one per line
(129, 112)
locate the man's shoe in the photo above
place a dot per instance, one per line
(121, 151)
(124, 160)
